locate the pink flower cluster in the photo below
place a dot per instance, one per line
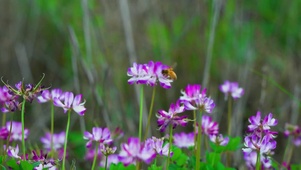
(149, 74)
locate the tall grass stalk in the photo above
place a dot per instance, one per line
(199, 144)
(66, 140)
(95, 156)
(141, 112)
(229, 115)
(150, 112)
(170, 146)
(22, 120)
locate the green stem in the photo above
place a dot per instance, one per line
(195, 130)
(141, 112)
(199, 144)
(66, 139)
(51, 128)
(258, 163)
(150, 112)
(3, 125)
(9, 135)
(22, 120)
(95, 157)
(106, 164)
(229, 115)
(170, 146)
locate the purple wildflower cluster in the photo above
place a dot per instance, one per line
(260, 139)
(149, 74)
(13, 131)
(33, 158)
(131, 151)
(231, 88)
(295, 132)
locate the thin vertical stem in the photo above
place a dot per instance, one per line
(22, 120)
(95, 157)
(170, 146)
(150, 112)
(229, 115)
(52, 127)
(3, 125)
(141, 112)
(258, 163)
(66, 140)
(199, 144)
(106, 164)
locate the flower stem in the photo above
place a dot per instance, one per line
(106, 164)
(229, 115)
(199, 144)
(141, 110)
(170, 146)
(66, 139)
(258, 163)
(95, 157)
(22, 120)
(195, 130)
(150, 112)
(288, 151)
(51, 128)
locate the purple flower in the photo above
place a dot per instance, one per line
(260, 139)
(111, 159)
(295, 132)
(16, 131)
(100, 135)
(48, 95)
(171, 117)
(257, 125)
(184, 140)
(138, 74)
(13, 152)
(232, 89)
(192, 92)
(134, 151)
(251, 158)
(8, 100)
(58, 141)
(208, 126)
(157, 145)
(219, 139)
(195, 99)
(71, 102)
(149, 74)
(5, 94)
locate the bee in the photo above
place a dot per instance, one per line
(169, 73)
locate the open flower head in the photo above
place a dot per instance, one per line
(49, 95)
(231, 88)
(150, 74)
(171, 117)
(71, 103)
(158, 145)
(58, 141)
(134, 151)
(16, 131)
(99, 135)
(184, 140)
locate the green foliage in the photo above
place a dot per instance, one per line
(78, 143)
(120, 166)
(155, 167)
(178, 157)
(233, 145)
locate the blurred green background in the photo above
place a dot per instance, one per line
(86, 46)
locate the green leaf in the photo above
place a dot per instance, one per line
(13, 164)
(120, 166)
(234, 144)
(155, 167)
(213, 158)
(177, 152)
(26, 165)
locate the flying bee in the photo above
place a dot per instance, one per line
(169, 73)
